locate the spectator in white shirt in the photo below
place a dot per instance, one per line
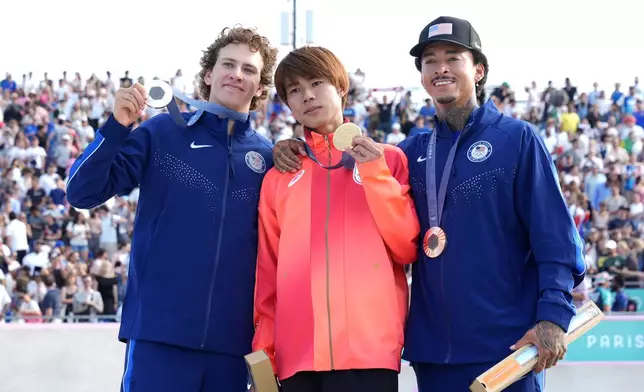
(395, 136)
(38, 258)
(48, 180)
(549, 137)
(16, 233)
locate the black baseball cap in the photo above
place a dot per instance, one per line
(450, 30)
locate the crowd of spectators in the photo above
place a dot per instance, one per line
(596, 141)
(59, 264)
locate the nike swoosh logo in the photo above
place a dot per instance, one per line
(193, 145)
(421, 159)
(248, 386)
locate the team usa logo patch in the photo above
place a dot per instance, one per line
(479, 151)
(255, 161)
(356, 175)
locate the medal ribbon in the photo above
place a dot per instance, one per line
(210, 107)
(346, 161)
(435, 206)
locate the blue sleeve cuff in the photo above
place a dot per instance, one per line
(557, 314)
(113, 132)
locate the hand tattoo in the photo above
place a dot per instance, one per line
(551, 338)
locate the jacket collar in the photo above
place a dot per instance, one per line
(320, 142)
(216, 123)
(480, 117)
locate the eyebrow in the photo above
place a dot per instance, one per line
(451, 51)
(235, 61)
(291, 83)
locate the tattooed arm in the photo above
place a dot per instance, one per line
(285, 155)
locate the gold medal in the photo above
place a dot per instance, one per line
(343, 136)
(434, 242)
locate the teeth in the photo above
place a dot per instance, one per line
(443, 83)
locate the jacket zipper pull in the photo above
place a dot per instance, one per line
(231, 161)
(328, 149)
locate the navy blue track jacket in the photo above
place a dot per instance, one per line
(194, 248)
(513, 254)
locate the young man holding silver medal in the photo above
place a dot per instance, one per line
(188, 312)
(500, 253)
(332, 296)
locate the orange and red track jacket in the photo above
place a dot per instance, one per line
(331, 291)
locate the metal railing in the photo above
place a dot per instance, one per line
(70, 319)
(101, 319)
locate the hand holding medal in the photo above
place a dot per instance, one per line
(348, 138)
(343, 136)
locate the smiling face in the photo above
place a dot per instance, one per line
(235, 77)
(315, 103)
(449, 75)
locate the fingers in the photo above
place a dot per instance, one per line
(544, 358)
(140, 96)
(296, 146)
(284, 159)
(361, 154)
(366, 143)
(144, 93)
(129, 102)
(355, 155)
(548, 359)
(365, 150)
(540, 365)
(134, 99)
(520, 343)
(361, 150)
(559, 356)
(553, 362)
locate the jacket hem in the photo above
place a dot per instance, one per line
(389, 365)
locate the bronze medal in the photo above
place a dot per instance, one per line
(434, 242)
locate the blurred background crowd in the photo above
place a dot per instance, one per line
(59, 264)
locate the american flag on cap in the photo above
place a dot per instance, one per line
(439, 29)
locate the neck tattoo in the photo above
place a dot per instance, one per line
(456, 117)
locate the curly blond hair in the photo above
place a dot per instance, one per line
(240, 35)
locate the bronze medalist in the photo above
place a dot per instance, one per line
(343, 136)
(434, 242)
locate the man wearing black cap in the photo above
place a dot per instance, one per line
(497, 272)
(500, 253)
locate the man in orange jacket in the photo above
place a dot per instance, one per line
(331, 296)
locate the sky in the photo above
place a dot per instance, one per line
(548, 40)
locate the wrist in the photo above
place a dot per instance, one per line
(554, 314)
(550, 325)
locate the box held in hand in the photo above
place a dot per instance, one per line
(261, 372)
(522, 361)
